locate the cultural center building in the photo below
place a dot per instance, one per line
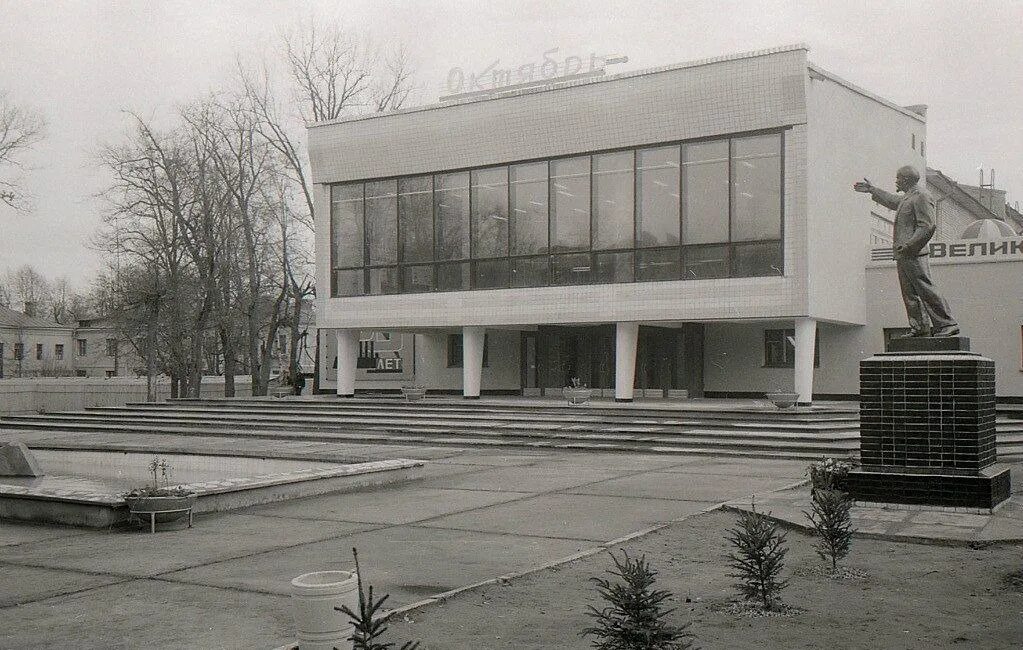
(685, 228)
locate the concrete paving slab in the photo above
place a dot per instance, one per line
(477, 457)
(20, 584)
(12, 533)
(408, 562)
(684, 487)
(386, 506)
(138, 552)
(532, 478)
(624, 462)
(152, 614)
(764, 467)
(596, 518)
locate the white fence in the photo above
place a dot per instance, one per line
(47, 395)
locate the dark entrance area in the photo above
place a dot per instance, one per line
(667, 358)
(586, 353)
(670, 358)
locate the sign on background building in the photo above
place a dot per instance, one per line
(383, 356)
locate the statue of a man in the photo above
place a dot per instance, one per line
(914, 226)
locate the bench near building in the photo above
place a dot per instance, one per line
(690, 227)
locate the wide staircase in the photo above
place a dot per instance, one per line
(690, 427)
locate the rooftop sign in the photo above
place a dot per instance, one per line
(551, 68)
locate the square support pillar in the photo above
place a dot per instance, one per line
(347, 361)
(626, 339)
(806, 339)
(472, 361)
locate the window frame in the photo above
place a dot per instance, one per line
(456, 350)
(635, 249)
(788, 336)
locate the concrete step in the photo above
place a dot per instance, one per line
(454, 420)
(127, 424)
(483, 406)
(707, 445)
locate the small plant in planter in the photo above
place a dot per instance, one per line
(413, 392)
(162, 503)
(368, 625)
(635, 617)
(828, 474)
(576, 392)
(758, 558)
(832, 524)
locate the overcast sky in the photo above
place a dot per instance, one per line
(81, 64)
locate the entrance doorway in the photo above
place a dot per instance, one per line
(667, 358)
(670, 358)
(530, 378)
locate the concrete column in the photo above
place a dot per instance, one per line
(472, 361)
(347, 360)
(806, 336)
(626, 339)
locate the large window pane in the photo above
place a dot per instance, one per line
(570, 204)
(453, 277)
(756, 188)
(657, 203)
(657, 265)
(350, 282)
(613, 200)
(571, 269)
(705, 192)
(490, 274)
(755, 260)
(382, 281)
(451, 206)
(346, 225)
(490, 212)
(382, 222)
(704, 262)
(415, 209)
(530, 272)
(613, 267)
(417, 279)
(528, 208)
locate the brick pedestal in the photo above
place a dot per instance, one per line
(927, 427)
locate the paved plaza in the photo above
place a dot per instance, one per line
(473, 516)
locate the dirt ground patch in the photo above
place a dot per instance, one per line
(895, 595)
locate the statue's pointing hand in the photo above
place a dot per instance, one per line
(863, 186)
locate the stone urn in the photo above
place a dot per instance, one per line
(413, 393)
(782, 399)
(577, 394)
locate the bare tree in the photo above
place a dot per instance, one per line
(29, 289)
(330, 68)
(20, 129)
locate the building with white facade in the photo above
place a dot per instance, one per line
(691, 227)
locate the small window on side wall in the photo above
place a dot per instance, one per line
(455, 351)
(780, 349)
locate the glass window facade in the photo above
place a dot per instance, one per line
(570, 204)
(687, 211)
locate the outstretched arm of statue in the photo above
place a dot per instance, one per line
(887, 199)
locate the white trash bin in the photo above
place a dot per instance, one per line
(314, 597)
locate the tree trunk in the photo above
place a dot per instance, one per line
(151, 354)
(230, 366)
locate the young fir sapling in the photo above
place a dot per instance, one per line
(635, 617)
(758, 558)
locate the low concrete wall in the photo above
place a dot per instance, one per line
(29, 396)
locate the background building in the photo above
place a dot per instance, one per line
(690, 227)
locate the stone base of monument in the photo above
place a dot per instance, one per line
(927, 427)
